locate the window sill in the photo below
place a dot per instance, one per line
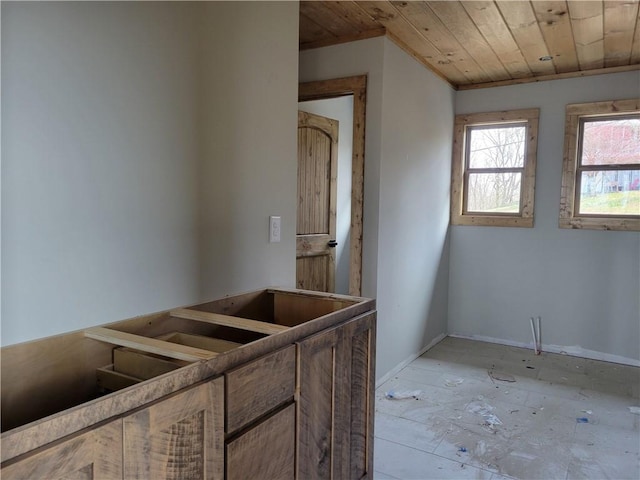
(601, 223)
(492, 221)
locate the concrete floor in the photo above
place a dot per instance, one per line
(562, 418)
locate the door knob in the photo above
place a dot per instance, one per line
(332, 244)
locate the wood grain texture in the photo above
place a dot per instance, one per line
(142, 365)
(211, 344)
(145, 344)
(312, 272)
(488, 20)
(620, 21)
(259, 386)
(96, 454)
(265, 451)
(180, 437)
(42, 428)
(461, 26)
(292, 309)
(525, 29)
(555, 25)
(111, 380)
(587, 22)
(478, 43)
(226, 320)
(360, 340)
(431, 27)
(410, 38)
(336, 375)
(316, 422)
(317, 197)
(66, 367)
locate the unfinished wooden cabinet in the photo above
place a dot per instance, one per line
(267, 450)
(273, 384)
(178, 438)
(335, 405)
(96, 454)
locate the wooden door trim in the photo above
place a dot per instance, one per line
(340, 87)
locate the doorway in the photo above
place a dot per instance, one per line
(339, 109)
(355, 87)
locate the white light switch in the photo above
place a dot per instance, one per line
(274, 229)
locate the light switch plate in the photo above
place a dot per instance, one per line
(274, 229)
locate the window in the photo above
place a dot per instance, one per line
(601, 172)
(494, 165)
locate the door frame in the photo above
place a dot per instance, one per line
(340, 87)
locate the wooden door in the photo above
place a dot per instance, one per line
(96, 454)
(181, 437)
(317, 197)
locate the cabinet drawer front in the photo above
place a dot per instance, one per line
(259, 386)
(265, 451)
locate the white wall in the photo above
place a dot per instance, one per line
(249, 140)
(142, 155)
(340, 109)
(407, 164)
(585, 284)
(417, 126)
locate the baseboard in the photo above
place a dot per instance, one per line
(573, 351)
(409, 359)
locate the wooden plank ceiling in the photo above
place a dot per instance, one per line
(473, 44)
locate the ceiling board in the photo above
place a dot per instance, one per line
(484, 43)
(620, 18)
(587, 22)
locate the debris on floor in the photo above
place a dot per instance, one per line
(453, 382)
(462, 449)
(484, 410)
(588, 412)
(502, 377)
(582, 420)
(403, 395)
(635, 410)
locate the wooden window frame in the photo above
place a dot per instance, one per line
(569, 215)
(459, 172)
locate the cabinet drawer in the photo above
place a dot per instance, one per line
(265, 451)
(259, 386)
